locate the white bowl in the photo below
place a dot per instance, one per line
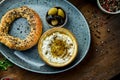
(105, 11)
(1, 1)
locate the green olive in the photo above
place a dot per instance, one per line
(54, 22)
(61, 13)
(52, 11)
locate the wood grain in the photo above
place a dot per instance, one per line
(103, 59)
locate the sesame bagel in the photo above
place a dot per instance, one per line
(35, 28)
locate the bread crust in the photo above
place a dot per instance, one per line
(35, 28)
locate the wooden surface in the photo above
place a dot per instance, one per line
(103, 59)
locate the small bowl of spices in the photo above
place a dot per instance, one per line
(109, 6)
(56, 17)
(6, 78)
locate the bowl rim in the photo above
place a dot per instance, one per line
(99, 5)
(66, 18)
(1, 1)
(64, 31)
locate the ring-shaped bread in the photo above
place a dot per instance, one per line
(35, 28)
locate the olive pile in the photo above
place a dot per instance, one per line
(56, 16)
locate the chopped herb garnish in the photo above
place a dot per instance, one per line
(4, 64)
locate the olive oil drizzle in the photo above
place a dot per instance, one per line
(58, 48)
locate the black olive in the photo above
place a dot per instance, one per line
(49, 18)
(60, 19)
(61, 22)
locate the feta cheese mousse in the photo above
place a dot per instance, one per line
(58, 47)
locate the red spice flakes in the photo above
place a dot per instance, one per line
(110, 5)
(6, 78)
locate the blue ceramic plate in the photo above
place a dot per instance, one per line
(30, 59)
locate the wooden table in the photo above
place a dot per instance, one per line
(103, 59)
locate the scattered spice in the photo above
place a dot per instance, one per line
(98, 31)
(110, 5)
(97, 36)
(96, 50)
(102, 42)
(95, 26)
(101, 51)
(108, 30)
